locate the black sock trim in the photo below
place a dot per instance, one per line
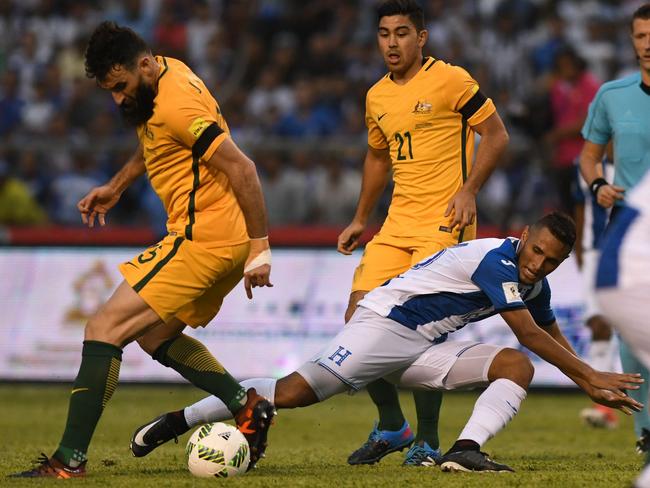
(161, 352)
(102, 349)
(464, 445)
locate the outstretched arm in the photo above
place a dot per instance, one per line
(554, 331)
(602, 387)
(102, 198)
(242, 175)
(494, 139)
(376, 168)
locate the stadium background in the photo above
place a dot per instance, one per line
(291, 78)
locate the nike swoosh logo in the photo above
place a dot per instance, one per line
(77, 390)
(139, 438)
(381, 116)
(508, 263)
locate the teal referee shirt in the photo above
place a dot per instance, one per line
(621, 111)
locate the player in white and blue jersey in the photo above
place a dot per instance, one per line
(623, 281)
(399, 333)
(591, 220)
(620, 113)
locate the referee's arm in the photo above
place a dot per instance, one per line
(590, 167)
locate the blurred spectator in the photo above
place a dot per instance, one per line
(309, 118)
(284, 193)
(337, 192)
(139, 15)
(201, 28)
(34, 174)
(71, 61)
(269, 95)
(17, 206)
(571, 91)
(11, 104)
(290, 193)
(216, 63)
(71, 186)
(28, 60)
(598, 50)
(170, 35)
(291, 77)
(39, 111)
(553, 39)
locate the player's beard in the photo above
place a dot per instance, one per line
(138, 110)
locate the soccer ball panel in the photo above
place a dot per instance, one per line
(217, 450)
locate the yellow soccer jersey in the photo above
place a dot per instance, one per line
(426, 123)
(185, 130)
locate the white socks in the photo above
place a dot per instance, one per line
(211, 409)
(602, 356)
(496, 406)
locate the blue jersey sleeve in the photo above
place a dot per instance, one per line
(597, 128)
(576, 189)
(540, 306)
(498, 277)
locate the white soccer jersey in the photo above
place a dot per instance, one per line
(458, 285)
(625, 254)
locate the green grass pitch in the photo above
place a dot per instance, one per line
(545, 444)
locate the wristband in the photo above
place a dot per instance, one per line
(262, 258)
(596, 184)
(265, 238)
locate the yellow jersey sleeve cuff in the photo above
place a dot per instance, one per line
(212, 148)
(482, 113)
(377, 146)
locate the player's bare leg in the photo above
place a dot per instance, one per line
(123, 317)
(252, 412)
(510, 374)
(291, 391)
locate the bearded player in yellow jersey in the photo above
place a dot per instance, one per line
(422, 118)
(217, 235)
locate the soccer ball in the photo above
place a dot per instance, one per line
(219, 450)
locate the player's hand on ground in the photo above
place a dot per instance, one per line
(608, 195)
(96, 203)
(257, 270)
(462, 208)
(349, 239)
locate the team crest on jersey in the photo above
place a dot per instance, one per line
(422, 108)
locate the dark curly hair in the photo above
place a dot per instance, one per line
(408, 8)
(111, 45)
(560, 225)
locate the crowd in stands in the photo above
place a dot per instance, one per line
(291, 78)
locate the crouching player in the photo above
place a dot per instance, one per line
(400, 329)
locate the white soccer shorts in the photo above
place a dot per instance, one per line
(371, 346)
(626, 310)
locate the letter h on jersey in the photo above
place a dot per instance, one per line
(339, 356)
